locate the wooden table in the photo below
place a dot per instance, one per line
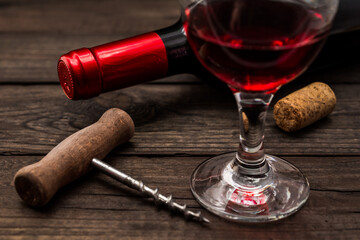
(180, 121)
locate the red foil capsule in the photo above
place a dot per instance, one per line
(87, 72)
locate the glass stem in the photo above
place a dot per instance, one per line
(250, 157)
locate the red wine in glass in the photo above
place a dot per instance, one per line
(255, 45)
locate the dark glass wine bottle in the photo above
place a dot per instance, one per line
(88, 72)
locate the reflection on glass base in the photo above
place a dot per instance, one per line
(218, 186)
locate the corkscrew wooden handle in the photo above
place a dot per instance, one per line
(37, 183)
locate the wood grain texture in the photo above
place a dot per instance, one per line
(98, 207)
(178, 119)
(91, 17)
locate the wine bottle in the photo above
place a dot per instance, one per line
(88, 72)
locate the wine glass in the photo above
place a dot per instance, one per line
(255, 46)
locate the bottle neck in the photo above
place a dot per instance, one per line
(180, 56)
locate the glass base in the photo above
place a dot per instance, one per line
(218, 186)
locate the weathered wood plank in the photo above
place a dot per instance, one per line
(151, 224)
(170, 119)
(83, 17)
(165, 172)
(96, 206)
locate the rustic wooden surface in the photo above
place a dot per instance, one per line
(180, 121)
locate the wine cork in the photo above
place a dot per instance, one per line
(245, 122)
(304, 107)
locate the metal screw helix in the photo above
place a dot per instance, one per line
(153, 193)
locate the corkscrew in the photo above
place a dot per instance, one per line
(141, 187)
(37, 183)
